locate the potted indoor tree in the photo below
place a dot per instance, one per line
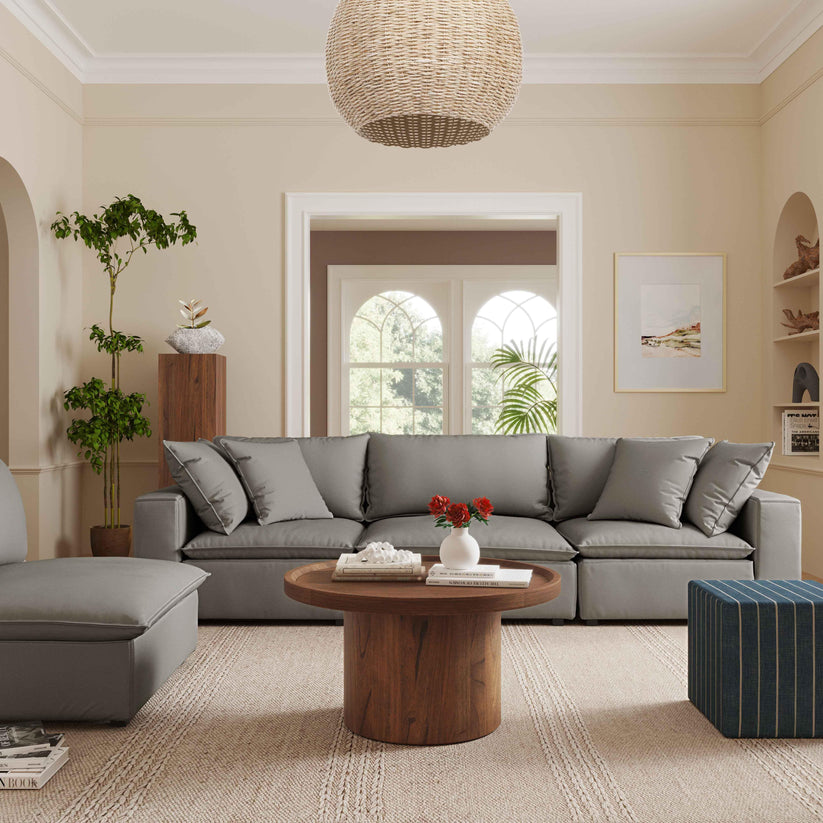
(116, 234)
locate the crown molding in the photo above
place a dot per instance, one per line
(56, 33)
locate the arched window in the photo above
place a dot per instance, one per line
(519, 317)
(396, 368)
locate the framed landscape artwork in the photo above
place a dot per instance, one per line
(670, 322)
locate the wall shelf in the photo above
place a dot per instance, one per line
(807, 405)
(793, 338)
(807, 280)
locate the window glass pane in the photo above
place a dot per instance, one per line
(364, 420)
(524, 319)
(398, 421)
(487, 388)
(484, 420)
(364, 387)
(428, 421)
(398, 338)
(428, 387)
(396, 327)
(428, 342)
(397, 387)
(486, 337)
(364, 342)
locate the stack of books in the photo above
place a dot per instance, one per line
(482, 575)
(29, 755)
(350, 567)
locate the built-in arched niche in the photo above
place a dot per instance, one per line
(19, 325)
(794, 341)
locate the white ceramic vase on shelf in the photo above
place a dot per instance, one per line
(459, 550)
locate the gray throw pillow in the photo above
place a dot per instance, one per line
(337, 466)
(209, 482)
(728, 475)
(277, 480)
(650, 480)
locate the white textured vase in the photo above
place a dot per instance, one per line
(196, 341)
(459, 550)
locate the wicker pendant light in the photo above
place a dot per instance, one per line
(423, 73)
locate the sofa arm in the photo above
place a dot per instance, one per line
(164, 521)
(771, 523)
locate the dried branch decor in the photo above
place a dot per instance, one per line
(808, 257)
(423, 73)
(192, 312)
(803, 322)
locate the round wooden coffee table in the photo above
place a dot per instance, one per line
(421, 663)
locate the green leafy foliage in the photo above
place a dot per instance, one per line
(115, 234)
(529, 374)
(113, 417)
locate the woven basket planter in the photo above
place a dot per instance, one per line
(424, 73)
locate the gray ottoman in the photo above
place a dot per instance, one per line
(91, 639)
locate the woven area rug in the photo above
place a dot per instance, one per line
(596, 727)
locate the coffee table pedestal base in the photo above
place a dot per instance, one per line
(422, 679)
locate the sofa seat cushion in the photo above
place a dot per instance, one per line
(626, 538)
(90, 598)
(303, 539)
(510, 538)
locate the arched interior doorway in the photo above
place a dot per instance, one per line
(4, 340)
(19, 327)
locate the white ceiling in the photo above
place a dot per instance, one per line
(283, 40)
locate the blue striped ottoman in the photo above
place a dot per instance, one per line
(756, 656)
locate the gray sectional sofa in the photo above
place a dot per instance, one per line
(377, 488)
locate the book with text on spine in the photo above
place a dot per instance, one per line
(504, 579)
(483, 571)
(376, 578)
(35, 780)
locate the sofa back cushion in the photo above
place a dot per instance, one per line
(578, 470)
(337, 466)
(406, 471)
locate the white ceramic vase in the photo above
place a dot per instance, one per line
(459, 550)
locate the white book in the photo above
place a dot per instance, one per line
(25, 780)
(504, 579)
(483, 570)
(353, 561)
(368, 568)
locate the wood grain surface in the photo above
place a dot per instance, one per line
(422, 680)
(191, 395)
(421, 663)
(312, 584)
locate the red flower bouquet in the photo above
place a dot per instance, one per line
(459, 515)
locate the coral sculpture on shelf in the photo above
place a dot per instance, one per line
(808, 257)
(384, 553)
(803, 322)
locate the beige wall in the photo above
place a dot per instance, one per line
(409, 248)
(668, 168)
(41, 143)
(792, 135)
(660, 168)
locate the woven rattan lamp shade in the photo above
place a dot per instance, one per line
(424, 73)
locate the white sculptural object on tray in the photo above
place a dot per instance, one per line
(384, 553)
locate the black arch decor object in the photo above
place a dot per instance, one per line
(805, 379)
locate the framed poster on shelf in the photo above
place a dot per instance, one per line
(670, 322)
(801, 432)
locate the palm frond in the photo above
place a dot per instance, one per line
(529, 375)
